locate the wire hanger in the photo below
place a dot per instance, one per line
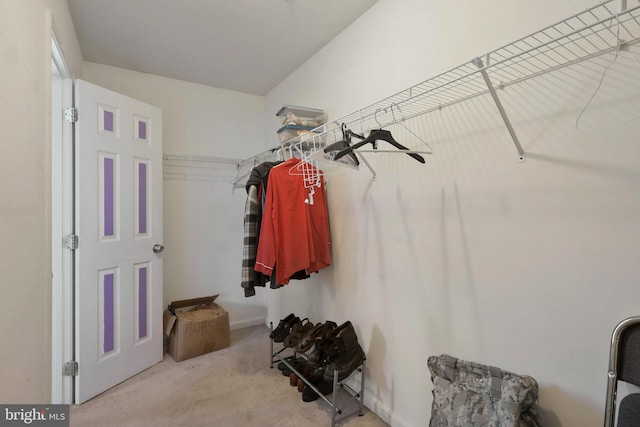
(379, 135)
(311, 175)
(618, 53)
(407, 127)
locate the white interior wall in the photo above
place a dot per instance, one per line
(25, 191)
(527, 266)
(203, 218)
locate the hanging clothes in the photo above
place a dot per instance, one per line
(249, 249)
(252, 220)
(261, 172)
(294, 233)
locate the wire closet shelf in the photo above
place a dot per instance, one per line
(598, 30)
(191, 160)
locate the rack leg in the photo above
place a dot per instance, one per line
(271, 345)
(333, 399)
(361, 413)
(478, 63)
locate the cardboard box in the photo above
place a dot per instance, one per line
(195, 326)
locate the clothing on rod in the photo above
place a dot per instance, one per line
(294, 231)
(252, 220)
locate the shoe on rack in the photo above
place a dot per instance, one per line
(290, 359)
(284, 328)
(293, 380)
(317, 333)
(324, 386)
(299, 329)
(281, 325)
(322, 338)
(296, 363)
(348, 355)
(313, 368)
(318, 359)
(312, 373)
(332, 340)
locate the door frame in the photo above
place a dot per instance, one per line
(62, 201)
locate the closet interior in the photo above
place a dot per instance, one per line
(496, 232)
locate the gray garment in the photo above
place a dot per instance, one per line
(470, 394)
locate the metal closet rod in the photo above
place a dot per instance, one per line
(201, 159)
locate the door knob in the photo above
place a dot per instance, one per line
(158, 248)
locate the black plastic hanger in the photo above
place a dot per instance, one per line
(344, 143)
(379, 135)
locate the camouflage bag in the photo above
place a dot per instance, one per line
(470, 394)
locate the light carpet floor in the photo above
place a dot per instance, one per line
(233, 387)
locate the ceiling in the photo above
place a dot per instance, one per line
(244, 45)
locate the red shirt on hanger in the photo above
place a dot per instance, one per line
(294, 234)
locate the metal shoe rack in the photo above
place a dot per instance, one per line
(337, 413)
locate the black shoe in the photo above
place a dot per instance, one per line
(345, 366)
(317, 361)
(289, 359)
(296, 363)
(281, 325)
(348, 354)
(312, 373)
(325, 387)
(284, 328)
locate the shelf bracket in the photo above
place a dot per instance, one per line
(478, 63)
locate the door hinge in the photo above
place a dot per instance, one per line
(71, 114)
(70, 241)
(70, 369)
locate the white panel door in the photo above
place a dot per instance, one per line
(118, 291)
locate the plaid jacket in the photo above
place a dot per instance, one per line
(250, 278)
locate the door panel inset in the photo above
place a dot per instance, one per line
(108, 285)
(142, 291)
(142, 196)
(108, 172)
(141, 129)
(108, 120)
